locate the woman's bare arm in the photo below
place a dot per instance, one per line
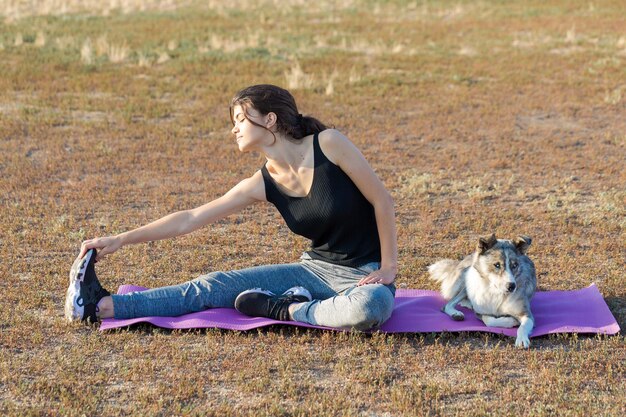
(183, 222)
(343, 153)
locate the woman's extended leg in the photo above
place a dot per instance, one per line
(337, 301)
(216, 289)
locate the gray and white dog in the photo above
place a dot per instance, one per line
(497, 281)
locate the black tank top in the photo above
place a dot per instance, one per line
(335, 215)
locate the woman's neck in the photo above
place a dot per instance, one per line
(286, 153)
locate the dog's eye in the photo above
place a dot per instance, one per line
(497, 265)
(514, 265)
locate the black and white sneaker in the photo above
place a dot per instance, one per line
(85, 291)
(263, 303)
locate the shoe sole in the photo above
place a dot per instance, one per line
(74, 312)
(300, 291)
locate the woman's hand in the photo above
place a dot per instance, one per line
(105, 246)
(381, 276)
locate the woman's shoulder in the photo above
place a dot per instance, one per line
(335, 145)
(330, 135)
(253, 186)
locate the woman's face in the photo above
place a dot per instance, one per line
(249, 136)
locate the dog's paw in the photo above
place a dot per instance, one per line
(457, 316)
(522, 342)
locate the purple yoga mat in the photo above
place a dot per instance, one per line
(419, 311)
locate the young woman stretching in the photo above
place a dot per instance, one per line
(324, 189)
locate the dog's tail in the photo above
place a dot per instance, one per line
(447, 272)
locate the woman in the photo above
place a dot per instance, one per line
(324, 189)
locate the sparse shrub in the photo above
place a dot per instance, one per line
(40, 40)
(163, 58)
(102, 46)
(64, 42)
(118, 53)
(298, 79)
(86, 52)
(354, 77)
(330, 88)
(143, 60)
(613, 97)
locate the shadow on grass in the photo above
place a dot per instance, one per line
(472, 340)
(617, 305)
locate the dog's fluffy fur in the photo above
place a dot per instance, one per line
(497, 281)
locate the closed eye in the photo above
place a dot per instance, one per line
(239, 117)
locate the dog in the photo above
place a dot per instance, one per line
(497, 282)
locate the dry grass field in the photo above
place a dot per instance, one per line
(479, 116)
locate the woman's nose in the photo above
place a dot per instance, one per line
(234, 129)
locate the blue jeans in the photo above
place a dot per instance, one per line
(337, 301)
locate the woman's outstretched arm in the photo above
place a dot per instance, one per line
(183, 222)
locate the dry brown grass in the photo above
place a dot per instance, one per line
(478, 116)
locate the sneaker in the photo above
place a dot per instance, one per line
(263, 303)
(85, 291)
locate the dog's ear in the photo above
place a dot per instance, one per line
(522, 243)
(486, 242)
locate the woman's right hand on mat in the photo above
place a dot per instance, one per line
(104, 245)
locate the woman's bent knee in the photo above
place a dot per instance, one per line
(372, 306)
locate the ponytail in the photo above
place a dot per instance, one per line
(307, 125)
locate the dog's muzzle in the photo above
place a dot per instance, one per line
(510, 287)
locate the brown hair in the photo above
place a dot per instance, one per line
(267, 98)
